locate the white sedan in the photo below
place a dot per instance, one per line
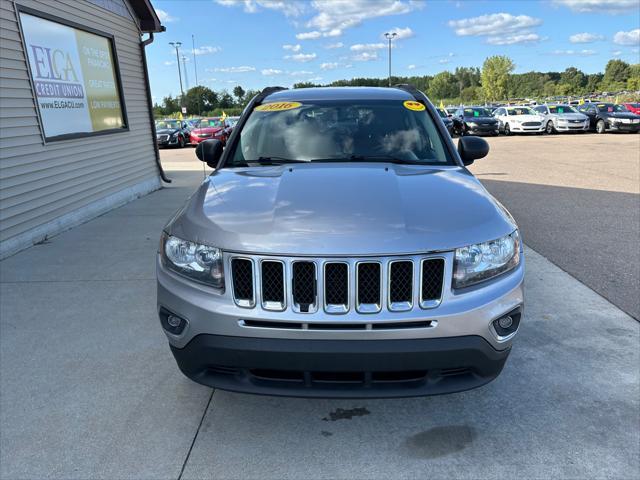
(519, 119)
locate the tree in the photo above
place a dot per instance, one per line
(573, 80)
(225, 100)
(633, 83)
(200, 99)
(239, 93)
(443, 85)
(467, 77)
(495, 76)
(616, 74)
(593, 82)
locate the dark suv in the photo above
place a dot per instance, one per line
(474, 121)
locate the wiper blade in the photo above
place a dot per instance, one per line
(274, 161)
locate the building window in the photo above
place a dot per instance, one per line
(75, 77)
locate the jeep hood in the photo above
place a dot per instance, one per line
(341, 209)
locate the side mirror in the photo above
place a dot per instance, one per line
(210, 151)
(472, 148)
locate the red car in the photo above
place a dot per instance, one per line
(633, 107)
(210, 128)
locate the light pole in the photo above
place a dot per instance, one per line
(186, 77)
(195, 69)
(390, 36)
(176, 45)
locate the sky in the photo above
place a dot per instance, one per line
(257, 43)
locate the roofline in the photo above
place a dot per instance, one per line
(149, 21)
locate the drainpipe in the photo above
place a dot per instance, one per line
(143, 44)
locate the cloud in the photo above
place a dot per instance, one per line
(616, 53)
(581, 53)
(298, 73)
(366, 56)
(169, 63)
(512, 39)
(612, 7)
(343, 14)
(585, 38)
(401, 33)
(367, 47)
(315, 34)
(444, 61)
(206, 50)
(493, 24)
(328, 66)
(301, 57)
(314, 79)
(241, 69)
(632, 37)
(165, 17)
(333, 46)
(292, 48)
(271, 71)
(289, 8)
(308, 35)
(411, 67)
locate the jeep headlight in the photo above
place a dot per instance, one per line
(482, 261)
(202, 263)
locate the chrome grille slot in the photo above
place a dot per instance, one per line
(304, 286)
(432, 276)
(242, 281)
(400, 285)
(272, 282)
(368, 286)
(336, 287)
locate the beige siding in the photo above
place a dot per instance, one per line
(42, 183)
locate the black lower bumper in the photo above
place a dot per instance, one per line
(340, 368)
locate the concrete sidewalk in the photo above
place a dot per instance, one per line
(89, 388)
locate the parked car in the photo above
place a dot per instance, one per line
(451, 111)
(474, 121)
(172, 133)
(562, 118)
(211, 127)
(633, 107)
(609, 117)
(232, 121)
(341, 248)
(448, 122)
(518, 119)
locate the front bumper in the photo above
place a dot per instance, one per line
(526, 129)
(219, 334)
(623, 127)
(340, 368)
(572, 127)
(482, 130)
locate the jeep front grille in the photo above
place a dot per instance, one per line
(337, 286)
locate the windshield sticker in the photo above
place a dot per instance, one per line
(415, 106)
(277, 106)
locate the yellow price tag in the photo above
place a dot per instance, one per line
(413, 105)
(277, 106)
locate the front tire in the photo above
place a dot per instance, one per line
(600, 127)
(181, 142)
(550, 129)
(507, 129)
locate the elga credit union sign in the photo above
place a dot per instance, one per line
(74, 78)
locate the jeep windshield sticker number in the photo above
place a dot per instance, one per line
(278, 106)
(415, 106)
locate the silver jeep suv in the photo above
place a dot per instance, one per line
(341, 249)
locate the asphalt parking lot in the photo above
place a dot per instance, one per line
(89, 388)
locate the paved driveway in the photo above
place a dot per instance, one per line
(88, 387)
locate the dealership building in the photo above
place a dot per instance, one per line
(76, 121)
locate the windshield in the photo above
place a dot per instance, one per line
(442, 113)
(476, 112)
(209, 122)
(340, 131)
(610, 107)
(167, 124)
(520, 111)
(561, 109)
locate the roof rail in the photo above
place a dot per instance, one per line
(265, 93)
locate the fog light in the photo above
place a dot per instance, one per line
(504, 322)
(508, 323)
(175, 321)
(171, 322)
